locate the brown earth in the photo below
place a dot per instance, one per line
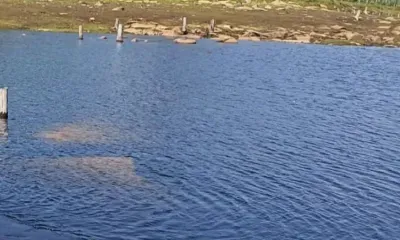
(319, 24)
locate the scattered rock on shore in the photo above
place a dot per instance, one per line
(118, 9)
(185, 41)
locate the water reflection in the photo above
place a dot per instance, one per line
(3, 130)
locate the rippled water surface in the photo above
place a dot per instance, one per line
(163, 141)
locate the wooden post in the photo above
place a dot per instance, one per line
(212, 25)
(120, 33)
(116, 23)
(80, 32)
(184, 25)
(3, 103)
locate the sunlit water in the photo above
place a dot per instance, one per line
(208, 141)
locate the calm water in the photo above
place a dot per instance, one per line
(247, 141)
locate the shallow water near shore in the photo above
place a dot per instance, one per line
(207, 141)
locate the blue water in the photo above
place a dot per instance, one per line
(248, 141)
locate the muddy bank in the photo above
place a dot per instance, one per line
(247, 20)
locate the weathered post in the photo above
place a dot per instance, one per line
(120, 32)
(116, 23)
(212, 25)
(3, 103)
(184, 25)
(80, 32)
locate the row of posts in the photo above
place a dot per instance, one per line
(120, 29)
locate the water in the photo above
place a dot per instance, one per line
(247, 141)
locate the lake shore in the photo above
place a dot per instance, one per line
(254, 21)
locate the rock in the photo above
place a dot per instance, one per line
(388, 40)
(63, 14)
(103, 37)
(303, 38)
(259, 9)
(278, 34)
(221, 38)
(311, 8)
(383, 27)
(223, 3)
(230, 40)
(118, 9)
(391, 19)
(337, 27)
(92, 19)
(373, 39)
(150, 33)
(384, 22)
(323, 6)
(253, 39)
(244, 8)
(169, 33)
(134, 31)
(185, 41)
(348, 35)
(278, 3)
(134, 40)
(192, 36)
(323, 28)
(98, 4)
(204, 2)
(143, 26)
(225, 27)
(396, 30)
(315, 35)
(267, 7)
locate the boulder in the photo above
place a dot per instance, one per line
(221, 38)
(348, 35)
(388, 40)
(337, 27)
(305, 38)
(278, 34)
(323, 28)
(192, 36)
(396, 30)
(384, 27)
(92, 19)
(373, 39)
(98, 4)
(244, 8)
(384, 22)
(143, 25)
(204, 2)
(169, 33)
(103, 37)
(253, 39)
(118, 9)
(185, 41)
(134, 31)
(230, 40)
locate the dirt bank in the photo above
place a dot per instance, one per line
(279, 21)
